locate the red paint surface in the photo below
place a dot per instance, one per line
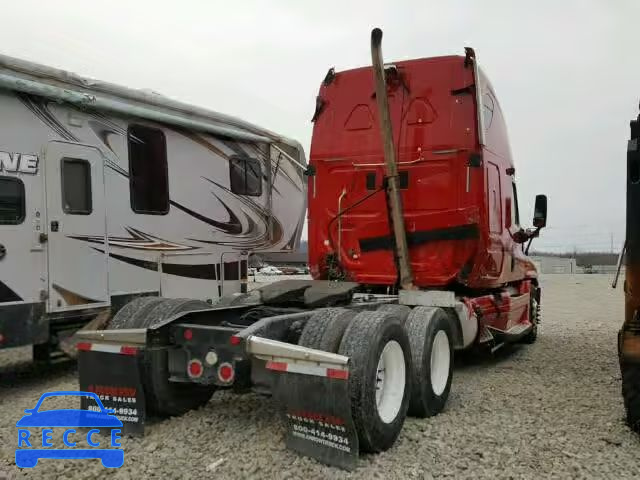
(504, 310)
(428, 120)
(126, 350)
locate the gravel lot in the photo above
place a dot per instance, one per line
(551, 410)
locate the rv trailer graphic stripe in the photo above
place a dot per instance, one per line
(232, 227)
(137, 241)
(40, 109)
(261, 241)
(199, 271)
(8, 295)
(269, 233)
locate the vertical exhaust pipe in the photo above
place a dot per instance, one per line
(393, 190)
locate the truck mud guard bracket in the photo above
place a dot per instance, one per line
(119, 387)
(313, 388)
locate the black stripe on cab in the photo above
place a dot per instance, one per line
(459, 232)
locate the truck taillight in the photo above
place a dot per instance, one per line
(188, 334)
(125, 350)
(235, 340)
(195, 368)
(226, 372)
(100, 347)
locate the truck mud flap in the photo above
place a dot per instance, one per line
(317, 412)
(119, 386)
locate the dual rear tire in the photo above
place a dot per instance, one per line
(431, 334)
(400, 362)
(162, 397)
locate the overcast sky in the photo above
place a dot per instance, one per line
(567, 74)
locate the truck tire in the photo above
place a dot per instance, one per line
(400, 310)
(379, 377)
(431, 339)
(324, 330)
(124, 318)
(164, 310)
(630, 373)
(631, 393)
(162, 396)
(532, 336)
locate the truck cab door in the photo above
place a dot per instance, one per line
(76, 221)
(495, 221)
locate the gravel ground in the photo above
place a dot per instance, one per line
(551, 410)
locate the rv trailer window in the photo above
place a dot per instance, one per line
(148, 177)
(12, 204)
(246, 176)
(76, 187)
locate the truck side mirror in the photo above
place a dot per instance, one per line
(540, 212)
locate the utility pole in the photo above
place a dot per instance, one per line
(611, 242)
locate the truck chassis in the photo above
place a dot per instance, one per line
(324, 350)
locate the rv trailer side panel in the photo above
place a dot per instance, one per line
(22, 245)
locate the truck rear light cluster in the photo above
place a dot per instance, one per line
(125, 350)
(195, 368)
(226, 372)
(101, 347)
(211, 358)
(188, 334)
(235, 340)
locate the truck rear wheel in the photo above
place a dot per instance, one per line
(324, 330)
(379, 377)
(431, 338)
(534, 306)
(162, 396)
(127, 316)
(630, 372)
(401, 310)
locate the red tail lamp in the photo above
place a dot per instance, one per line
(195, 368)
(226, 372)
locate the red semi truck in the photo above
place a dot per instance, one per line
(415, 248)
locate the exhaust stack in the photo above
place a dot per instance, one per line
(393, 190)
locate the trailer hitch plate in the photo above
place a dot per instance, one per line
(317, 414)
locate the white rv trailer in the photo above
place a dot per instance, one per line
(108, 193)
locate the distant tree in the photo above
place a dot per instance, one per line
(584, 259)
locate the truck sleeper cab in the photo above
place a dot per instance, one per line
(456, 173)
